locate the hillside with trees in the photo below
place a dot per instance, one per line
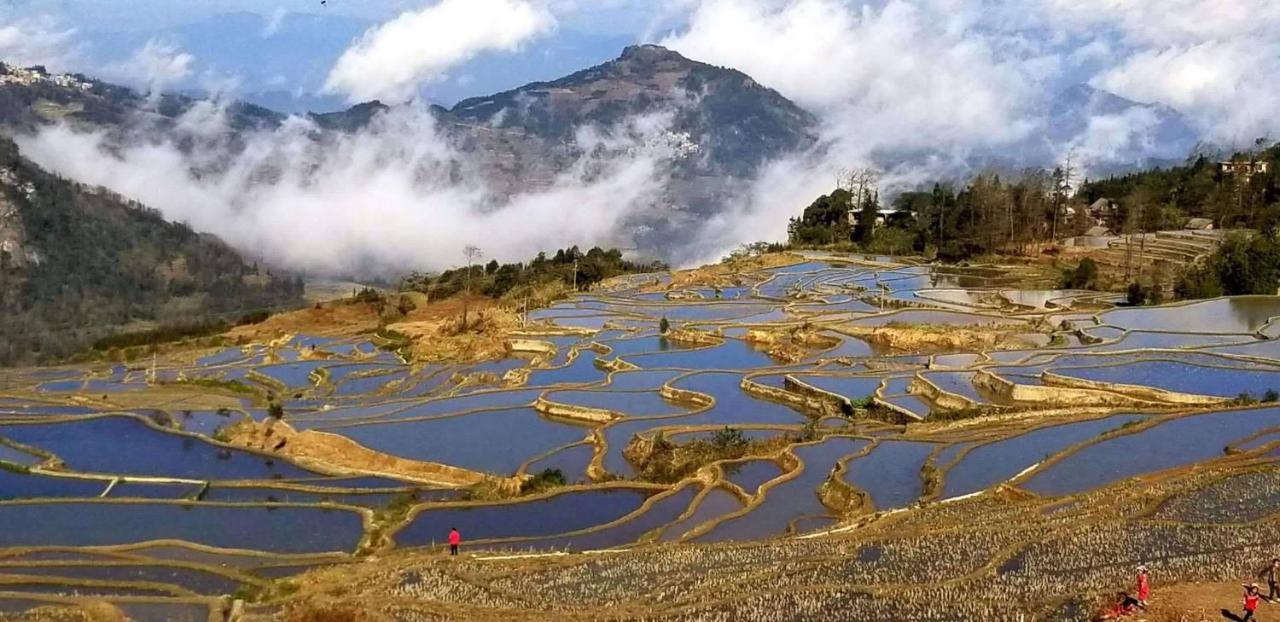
(1029, 213)
(542, 278)
(78, 264)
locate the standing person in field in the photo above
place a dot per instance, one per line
(455, 539)
(1250, 599)
(1144, 586)
(1272, 575)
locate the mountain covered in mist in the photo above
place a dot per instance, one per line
(646, 149)
(79, 262)
(709, 130)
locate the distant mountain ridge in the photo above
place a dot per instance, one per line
(521, 140)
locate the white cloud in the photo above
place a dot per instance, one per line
(392, 60)
(155, 65)
(35, 41)
(1227, 88)
(388, 199)
(902, 76)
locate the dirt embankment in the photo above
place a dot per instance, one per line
(336, 318)
(929, 339)
(790, 345)
(439, 334)
(435, 328)
(331, 452)
(729, 273)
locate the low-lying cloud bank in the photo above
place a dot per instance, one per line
(920, 88)
(395, 196)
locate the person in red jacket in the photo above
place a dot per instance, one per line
(455, 539)
(1251, 597)
(1144, 586)
(1124, 607)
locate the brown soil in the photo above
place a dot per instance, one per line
(438, 333)
(86, 612)
(729, 273)
(435, 327)
(170, 397)
(337, 453)
(789, 345)
(923, 339)
(1200, 602)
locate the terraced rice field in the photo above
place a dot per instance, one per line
(850, 432)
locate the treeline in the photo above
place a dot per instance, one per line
(1022, 212)
(567, 268)
(1242, 265)
(1243, 193)
(84, 263)
(987, 214)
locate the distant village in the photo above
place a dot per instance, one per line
(36, 74)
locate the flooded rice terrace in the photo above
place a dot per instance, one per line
(837, 376)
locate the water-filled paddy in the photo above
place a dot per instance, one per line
(562, 513)
(791, 499)
(1181, 377)
(570, 461)
(469, 440)
(996, 462)
(851, 387)
(890, 473)
(663, 512)
(751, 474)
(1173, 443)
(199, 581)
(123, 445)
(1242, 314)
(280, 529)
(458, 413)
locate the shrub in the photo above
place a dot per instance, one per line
(1084, 276)
(544, 480)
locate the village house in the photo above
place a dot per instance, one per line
(1243, 169)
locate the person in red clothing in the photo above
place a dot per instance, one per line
(1251, 597)
(1125, 605)
(455, 539)
(1144, 586)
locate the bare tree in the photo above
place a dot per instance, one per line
(473, 254)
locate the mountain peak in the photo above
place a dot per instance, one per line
(649, 53)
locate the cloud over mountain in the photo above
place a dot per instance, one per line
(392, 60)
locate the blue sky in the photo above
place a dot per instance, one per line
(965, 67)
(294, 43)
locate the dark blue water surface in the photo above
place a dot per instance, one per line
(891, 473)
(1170, 444)
(661, 513)
(562, 513)
(751, 474)
(716, 503)
(123, 445)
(996, 462)
(791, 499)
(1181, 377)
(572, 462)
(280, 530)
(496, 441)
